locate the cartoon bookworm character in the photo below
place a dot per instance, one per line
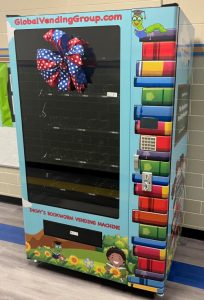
(140, 30)
(57, 251)
(116, 264)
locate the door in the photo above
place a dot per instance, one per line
(74, 146)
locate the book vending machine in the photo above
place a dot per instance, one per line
(101, 105)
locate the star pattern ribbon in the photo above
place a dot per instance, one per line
(63, 68)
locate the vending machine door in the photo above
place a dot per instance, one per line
(71, 84)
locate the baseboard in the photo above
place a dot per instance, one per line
(10, 199)
(193, 233)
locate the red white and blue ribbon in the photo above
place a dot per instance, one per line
(63, 68)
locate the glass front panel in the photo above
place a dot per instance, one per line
(71, 139)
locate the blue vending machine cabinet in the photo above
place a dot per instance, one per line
(80, 82)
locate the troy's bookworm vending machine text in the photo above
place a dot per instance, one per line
(101, 104)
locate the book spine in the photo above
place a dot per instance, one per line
(158, 36)
(151, 265)
(154, 155)
(164, 113)
(148, 252)
(145, 281)
(149, 218)
(154, 82)
(157, 180)
(163, 128)
(157, 96)
(152, 232)
(160, 168)
(149, 275)
(157, 191)
(153, 204)
(155, 68)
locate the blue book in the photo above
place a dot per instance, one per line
(154, 81)
(158, 180)
(145, 281)
(161, 113)
(148, 242)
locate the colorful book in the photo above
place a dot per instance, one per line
(157, 96)
(148, 242)
(153, 126)
(151, 265)
(155, 143)
(154, 155)
(149, 252)
(160, 168)
(163, 113)
(158, 180)
(149, 275)
(153, 204)
(152, 232)
(145, 281)
(155, 68)
(169, 35)
(154, 82)
(159, 50)
(157, 191)
(150, 218)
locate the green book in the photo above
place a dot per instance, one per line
(157, 96)
(152, 232)
(159, 168)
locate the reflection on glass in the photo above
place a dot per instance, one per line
(71, 140)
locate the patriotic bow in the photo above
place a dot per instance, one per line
(64, 67)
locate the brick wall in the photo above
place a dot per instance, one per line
(194, 203)
(10, 182)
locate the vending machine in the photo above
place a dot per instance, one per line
(101, 107)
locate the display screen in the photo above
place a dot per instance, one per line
(72, 139)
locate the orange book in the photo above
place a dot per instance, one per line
(149, 218)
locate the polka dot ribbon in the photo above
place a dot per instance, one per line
(62, 68)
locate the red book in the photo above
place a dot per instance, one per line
(148, 252)
(163, 143)
(159, 51)
(153, 204)
(157, 191)
(163, 128)
(155, 143)
(151, 265)
(149, 218)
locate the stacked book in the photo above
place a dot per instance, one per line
(155, 74)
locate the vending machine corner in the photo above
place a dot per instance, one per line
(101, 106)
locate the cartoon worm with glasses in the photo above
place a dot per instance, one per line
(140, 30)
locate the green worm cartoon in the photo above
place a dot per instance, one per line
(140, 30)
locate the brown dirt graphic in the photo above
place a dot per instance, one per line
(39, 239)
